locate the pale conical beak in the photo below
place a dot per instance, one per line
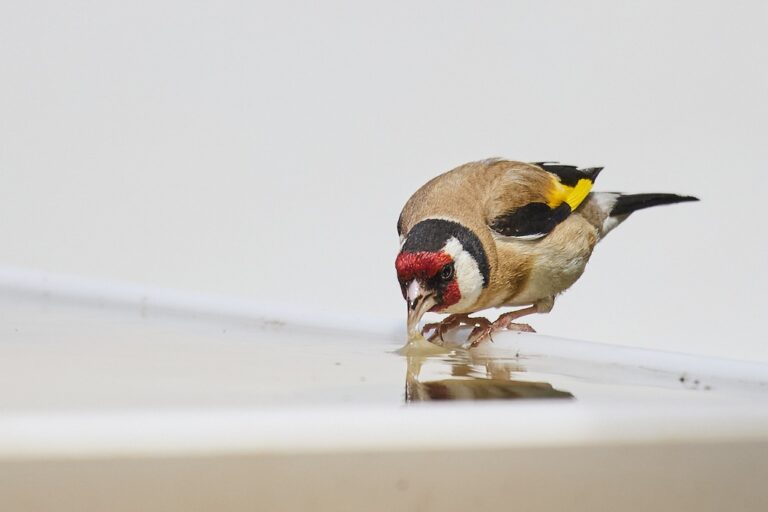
(420, 300)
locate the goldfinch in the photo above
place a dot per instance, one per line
(500, 233)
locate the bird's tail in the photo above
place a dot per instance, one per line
(626, 204)
(609, 209)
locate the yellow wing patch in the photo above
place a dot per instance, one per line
(574, 196)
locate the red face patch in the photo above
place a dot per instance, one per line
(451, 295)
(420, 265)
(425, 266)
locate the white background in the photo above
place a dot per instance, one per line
(264, 151)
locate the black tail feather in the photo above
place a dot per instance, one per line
(633, 202)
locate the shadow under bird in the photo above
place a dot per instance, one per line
(501, 233)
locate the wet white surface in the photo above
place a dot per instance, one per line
(70, 357)
(79, 359)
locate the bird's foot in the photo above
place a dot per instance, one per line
(450, 323)
(481, 334)
(504, 323)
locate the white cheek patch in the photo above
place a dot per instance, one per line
(468, 275)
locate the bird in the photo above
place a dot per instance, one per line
(499, 233)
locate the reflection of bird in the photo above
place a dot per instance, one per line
(467, 382)
(481, 389)
(501, 233)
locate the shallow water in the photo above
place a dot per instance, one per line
(56, 357)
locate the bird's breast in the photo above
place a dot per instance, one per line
(547, 267)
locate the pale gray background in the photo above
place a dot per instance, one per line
(265, 150)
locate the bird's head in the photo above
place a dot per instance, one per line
(441, 267)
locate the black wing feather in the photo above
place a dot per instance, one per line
(535, 220)
(570, 174)
(530, 221)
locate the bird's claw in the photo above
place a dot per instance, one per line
(437, 336)
(480, 334)
(450, 323)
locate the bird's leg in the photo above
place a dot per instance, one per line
(504, 322)
(452, 322)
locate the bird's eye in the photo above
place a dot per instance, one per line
(446, 274)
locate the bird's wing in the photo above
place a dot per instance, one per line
(537, 197)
